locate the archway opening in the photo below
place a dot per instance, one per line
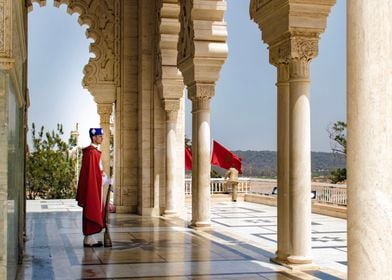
(58, 51)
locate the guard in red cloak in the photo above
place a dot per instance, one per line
(89, 192)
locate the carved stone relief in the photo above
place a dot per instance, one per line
(6, 60)
(103, 19)
(299, 48)
(186, 47)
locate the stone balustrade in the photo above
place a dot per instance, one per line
(218, 185)
(325, 193)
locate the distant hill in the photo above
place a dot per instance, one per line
(263, 163)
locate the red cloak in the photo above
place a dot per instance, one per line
(89, 193)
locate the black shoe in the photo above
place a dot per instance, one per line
(95, 245)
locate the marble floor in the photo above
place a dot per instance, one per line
(239, 246)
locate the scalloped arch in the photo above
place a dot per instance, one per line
(101, 17)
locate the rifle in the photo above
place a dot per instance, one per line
(107, 240)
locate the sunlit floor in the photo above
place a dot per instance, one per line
(239, 246)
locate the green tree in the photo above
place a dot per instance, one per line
(338, 136)
(338, 175)
(50, 167)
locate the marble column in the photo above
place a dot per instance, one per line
(300, 167)
(171, 156)
(202, 50)
(369, 139)
(283, 162)
(201, 156)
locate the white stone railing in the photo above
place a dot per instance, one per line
(218, 185)
(325, 193)
(335, 194)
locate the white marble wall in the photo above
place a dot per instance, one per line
(3, 175)
(126, 163)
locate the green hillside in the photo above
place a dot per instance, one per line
(263, 163)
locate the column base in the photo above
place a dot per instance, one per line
(299, 259)
(295, 266)
(170, 213)
(201, 226)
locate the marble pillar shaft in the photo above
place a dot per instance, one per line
(369, 138)
(171, 156)
(300, 167)
(283, 102)
(201, 162)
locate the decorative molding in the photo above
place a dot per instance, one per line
(103, 19)
(304, 48)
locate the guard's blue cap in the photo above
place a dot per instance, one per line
(95, 131)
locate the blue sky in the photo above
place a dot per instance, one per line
(243, 110)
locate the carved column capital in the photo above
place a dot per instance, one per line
(104, 111)
(198, 90)
(299, 69)
(171, 107)
(303, 47)
(201, 103)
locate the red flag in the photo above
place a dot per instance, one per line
(188, 158)
(224, 158)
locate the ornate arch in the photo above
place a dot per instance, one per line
(103, 20)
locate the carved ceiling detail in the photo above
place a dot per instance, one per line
(103, 20)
